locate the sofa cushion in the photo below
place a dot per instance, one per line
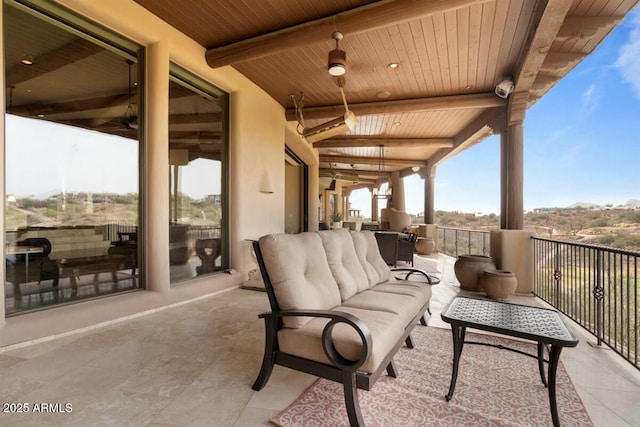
(306, 342)
(405, 306)
(343, 262)
(369, 256)
(404, 288)
(299, 273)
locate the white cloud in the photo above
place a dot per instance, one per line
(628, 62)
(590, 99)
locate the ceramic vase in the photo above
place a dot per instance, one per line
(499, 284)
(469, 270)
(425, 245)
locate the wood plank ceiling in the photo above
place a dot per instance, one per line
(440, 100)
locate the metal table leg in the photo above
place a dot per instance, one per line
(554, 357)
(543, 377)
(458, 342)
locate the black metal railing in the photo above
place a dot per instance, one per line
(458, 241)
(597, 287)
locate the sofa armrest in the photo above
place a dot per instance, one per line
(327, 342)
(431, 280)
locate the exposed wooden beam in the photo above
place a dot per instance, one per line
(370, 161)
(544, 31)
(585, 27)
(196, 147)
(325, 173)
(34, 110)
(364, 141)
(109, 122)
(560, 61)
(438, 103)
(543, 83)
(409, 171)
(360, 172)
(354, 187)
(193, 135)
(183, 119)
(353, 21)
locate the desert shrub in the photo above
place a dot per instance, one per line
(632, 217)
(599, 222)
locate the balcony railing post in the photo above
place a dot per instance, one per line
(456, 242)
(557, 273)
(598, 295)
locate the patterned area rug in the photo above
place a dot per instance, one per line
(495, 388)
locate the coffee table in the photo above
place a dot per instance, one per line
(544, 326)
(80, 266)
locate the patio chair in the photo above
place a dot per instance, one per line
(208, 250)
(406, 248)
(388, 246)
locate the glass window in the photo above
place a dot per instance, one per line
(72, 169)
(197, 150)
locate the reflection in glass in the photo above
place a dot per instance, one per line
(196, 153)
(72, 166)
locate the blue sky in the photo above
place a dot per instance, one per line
(582, 141)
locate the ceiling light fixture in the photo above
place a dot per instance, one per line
(27, 60)
(393, 65)
(130, 121)
(383, 94)
(381, 170)
(337, 62)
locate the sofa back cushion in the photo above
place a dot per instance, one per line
(369, 256)
(299, 273)
(343, 262)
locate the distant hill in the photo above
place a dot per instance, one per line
(630, 204)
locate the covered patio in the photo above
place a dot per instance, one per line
(194, 363)
(168, 338)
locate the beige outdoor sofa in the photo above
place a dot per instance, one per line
(336, 312)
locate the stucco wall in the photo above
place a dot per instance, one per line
(257, 135)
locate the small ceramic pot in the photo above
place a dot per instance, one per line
(499, 284)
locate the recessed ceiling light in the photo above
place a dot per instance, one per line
(393, 65)
(27, 60)
(397, 123)
(40, 116)
(383, 94)
(468, 87)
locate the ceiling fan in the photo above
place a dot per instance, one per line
(337, 67)
(129, 121)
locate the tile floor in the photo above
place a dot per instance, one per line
(193, 365)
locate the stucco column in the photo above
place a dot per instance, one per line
(504, 142)
(512, 177)
(397, 191)
(157, 167)
(512, 250)
(512, 164)
(429, 174)
(345, 207)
